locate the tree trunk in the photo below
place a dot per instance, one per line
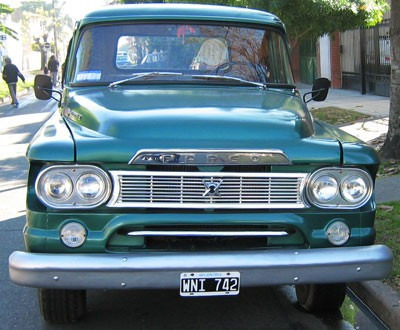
(391, 147)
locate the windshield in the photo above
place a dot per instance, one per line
(108, 53)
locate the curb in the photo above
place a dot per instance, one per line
(381, 299)
(23, 92)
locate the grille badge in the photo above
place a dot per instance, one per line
(212, 188)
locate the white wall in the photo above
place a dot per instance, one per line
(325, 56)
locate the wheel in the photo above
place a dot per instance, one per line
(62, 306)
(321, 297)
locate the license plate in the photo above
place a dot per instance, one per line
(210, 284)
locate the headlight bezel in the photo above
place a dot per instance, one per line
(75, 200)
(340, 175)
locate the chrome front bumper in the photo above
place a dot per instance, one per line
(162, 269)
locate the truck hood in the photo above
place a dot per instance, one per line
(111, 125)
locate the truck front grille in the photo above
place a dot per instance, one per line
(220, 190)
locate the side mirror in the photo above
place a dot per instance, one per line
(319, 90)
(43, 87)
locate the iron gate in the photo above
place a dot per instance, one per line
(365, 60)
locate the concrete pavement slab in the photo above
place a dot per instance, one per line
(367, 130)
(372, 105)
(387, 189)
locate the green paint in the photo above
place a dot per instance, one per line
(106, 127)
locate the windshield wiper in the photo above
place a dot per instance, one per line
(144, 75)
(279, 85)
(243, 81)
(218, 77)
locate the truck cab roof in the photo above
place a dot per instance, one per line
(190, 12)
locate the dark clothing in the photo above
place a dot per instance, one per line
(11, 74)
(53, 65)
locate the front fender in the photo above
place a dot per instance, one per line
(53, 142)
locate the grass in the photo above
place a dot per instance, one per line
(20, 86)
(337, 116)
(387, 225)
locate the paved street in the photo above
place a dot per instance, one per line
(262, 308)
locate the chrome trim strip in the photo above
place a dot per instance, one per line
(199, 157)
(207, 233)
(163, 269)
(212, 202)
(216, 174)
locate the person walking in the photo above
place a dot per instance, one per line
(10, 76)
(53, 68)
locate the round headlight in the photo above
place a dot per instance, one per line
(72, 186)
(57, 186)
(90, 186)
(324, 188)
(338, 233)
(354, 189)
(73, 234)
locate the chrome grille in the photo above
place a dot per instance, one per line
(187, 190)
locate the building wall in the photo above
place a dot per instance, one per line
(336, 72)
(324, 57)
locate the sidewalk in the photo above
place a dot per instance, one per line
(371, 105)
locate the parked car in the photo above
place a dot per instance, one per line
(203, 172)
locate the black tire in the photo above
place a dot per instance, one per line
(321, 297)
(62, 306)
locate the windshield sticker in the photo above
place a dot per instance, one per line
(88, 75)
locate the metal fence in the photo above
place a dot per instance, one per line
(366, 60)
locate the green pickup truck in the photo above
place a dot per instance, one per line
(183, 156)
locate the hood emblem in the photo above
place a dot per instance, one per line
(212, 188)
(209, 157)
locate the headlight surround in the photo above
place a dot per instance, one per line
(354, 188)
(75, 186)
